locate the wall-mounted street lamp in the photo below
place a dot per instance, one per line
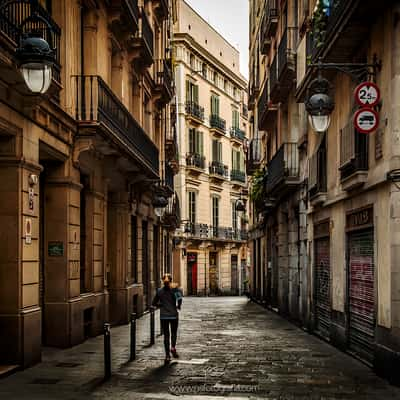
(35, 56)
(160, 201)
(319, 103)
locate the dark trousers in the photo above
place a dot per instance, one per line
(165, 323)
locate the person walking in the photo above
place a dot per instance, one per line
(169, 298)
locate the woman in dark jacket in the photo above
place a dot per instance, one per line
(169, 298)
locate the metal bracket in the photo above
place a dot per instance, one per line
(356, 71)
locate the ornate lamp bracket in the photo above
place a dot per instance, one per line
(357, 71)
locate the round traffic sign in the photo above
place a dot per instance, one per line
(367, 94)
(366, 120)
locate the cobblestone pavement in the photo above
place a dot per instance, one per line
(228, 347)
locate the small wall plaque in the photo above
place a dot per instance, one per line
(55, 249)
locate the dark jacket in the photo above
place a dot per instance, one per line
(168, 298)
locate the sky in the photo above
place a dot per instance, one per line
(231, 19)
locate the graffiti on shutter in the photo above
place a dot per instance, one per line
(361, 294)
(322, 287)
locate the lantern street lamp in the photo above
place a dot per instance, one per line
(159, 204)
(319, 104)
(35, 56)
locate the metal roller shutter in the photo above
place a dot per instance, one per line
(361, 298)
(323, 305)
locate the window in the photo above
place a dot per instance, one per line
(192, 60)
(192, 207)
(134, 272)
(204, 70)
(237, 160)
(235, 118)
(214, 104)
(234, 216)
(216, 150)
(215, 76)
(215, 212)
(225, 85)
(192, 92)
(196, 142)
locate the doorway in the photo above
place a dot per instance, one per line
(192, 274)
(213, 273)
(234, 275)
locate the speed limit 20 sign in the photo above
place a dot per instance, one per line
(367, 94)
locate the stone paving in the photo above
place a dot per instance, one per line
(228, 347)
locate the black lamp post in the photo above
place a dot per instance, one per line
(35, 56)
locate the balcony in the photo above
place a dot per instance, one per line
(254, 90)
(163, 80)
(347, 24)
(237, 135)
(238, 177)
(267, 112)
(218, 170)
(194, 112)
(283, 171)
(172, 216)
(169, 179)
(245, 111)
(195, 162)
(97, 106)
(273, 81)
(144, 41)
(285, 68)
(353, 157)
(11, 17)
(317, 179)
(217, 125)
(124, 18)
(269, 25)
(210, 232)
(253, 160)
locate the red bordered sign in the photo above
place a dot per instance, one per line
(367, 94)
(366, 120)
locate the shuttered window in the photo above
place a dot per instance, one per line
(216, 150)
(192, 92)
(196, 141)
(192, 207)
(235, 119)
(214, 105)
(237, 160)
(215, 211)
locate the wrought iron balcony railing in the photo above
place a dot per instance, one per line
(163, 78)
(195, 110)
(96, 103)
(253, 155)
(237, 133)
(218, 168)
(273, 75)
(205, 231)
(169, 178)
(172, 215)
(238, 176)
(147, 32)
(283, 169)
(14, 13)
(217, 122)
(269, 24)
(195, 160)
(287, 50)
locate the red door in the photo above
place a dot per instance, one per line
(194, 278)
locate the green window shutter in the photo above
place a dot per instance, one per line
(196, 94)
(212, 104)
(188, 91)
(217, 105)
(191, 141)
(220, 151)
(201, 142)
(214, 150)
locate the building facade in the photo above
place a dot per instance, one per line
(80, 242)
(324, 218)
(210, 254)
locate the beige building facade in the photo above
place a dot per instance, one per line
(210, 254)
(323, 235)
(80, 242)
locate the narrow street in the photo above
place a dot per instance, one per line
(228, 347)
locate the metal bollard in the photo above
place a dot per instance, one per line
(152, 326)
(133, 337)
(107, 351)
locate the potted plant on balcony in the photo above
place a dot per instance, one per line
(257, 193)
